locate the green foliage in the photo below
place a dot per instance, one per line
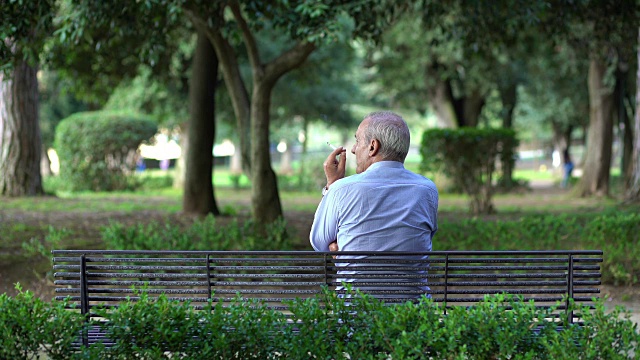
(322, 327)
(56, 103)
(147, 328)
(309, 176)
(605, 335)
(151, 182)
(31, 327)
(617, 234)
(201, 235)
(97, 150)
(99, 44)
(468, 157)
(24, 25)
(162, 98)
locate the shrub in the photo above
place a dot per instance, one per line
(203, 234)
(149, 328)
(468, 157)
(616, 234)
(30, 327)
(322, 327)
(97, 150)
(154, 182)
(361, 327)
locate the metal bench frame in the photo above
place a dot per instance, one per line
(105, 278)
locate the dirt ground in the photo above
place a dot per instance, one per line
(32, 275)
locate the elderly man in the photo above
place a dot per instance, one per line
(384, 207)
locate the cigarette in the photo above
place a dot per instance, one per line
(333, 147)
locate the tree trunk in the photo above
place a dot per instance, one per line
(627, 150)
(302, 170)
(561, 139)
(441, 100)
(238, 93)
(633, 191)
(452, 112)
(508, 95)
(236, 162)
(472, 105)
(265, 199)
(266, 206)
(199, 195)
(20, 140)
(285, 160)
(595, 179)
(45, 163)
(624, 123)
(180, 168)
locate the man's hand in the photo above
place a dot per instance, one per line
(335, 169)
(334, 247)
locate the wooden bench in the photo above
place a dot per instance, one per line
(93, 278)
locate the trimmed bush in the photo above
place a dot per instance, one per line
(203, 234)
(97, 150)
(468, 156)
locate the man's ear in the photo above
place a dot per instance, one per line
(374, 147)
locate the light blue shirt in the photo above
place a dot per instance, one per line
(385, 208)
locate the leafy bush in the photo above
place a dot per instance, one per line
(361, 327)
(148, 328)
(617, 234)
(97, 150)
(201, 235)
(153, 182)
(468, 157)
(30, 327)
(322, 327)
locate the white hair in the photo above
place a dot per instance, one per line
(391, 131)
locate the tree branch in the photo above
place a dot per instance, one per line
(249, 40)
(288, 60)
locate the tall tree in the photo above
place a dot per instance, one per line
(102, 36)
(266, 206)
(23, 28)
(600, 30)
(555, 97)
(307, 24)
(198, 194)
(451, 54)
(633, 190)
(597, 165)
(424, 67)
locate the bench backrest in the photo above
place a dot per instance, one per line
(102, 277)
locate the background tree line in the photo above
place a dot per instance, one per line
(569, 66)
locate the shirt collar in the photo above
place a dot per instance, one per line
(385, 164)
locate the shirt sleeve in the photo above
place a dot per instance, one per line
(324, 230)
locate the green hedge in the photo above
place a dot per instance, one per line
(616, 233)
(97, 150)
(204, 234)
(362, 329)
